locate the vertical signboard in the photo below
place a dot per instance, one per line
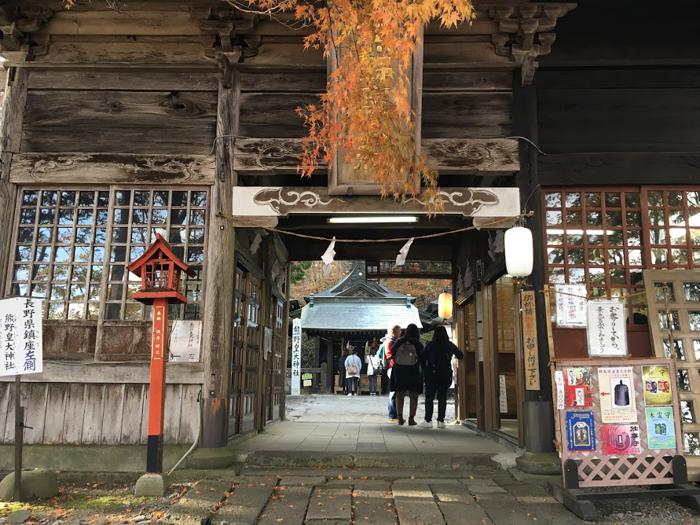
(185, 341)
(529, 322)
(20, 336)
(296, 357)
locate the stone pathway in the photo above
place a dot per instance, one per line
(333, 497)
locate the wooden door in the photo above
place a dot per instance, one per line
(251, 352)
(673, 298)
(278, 343)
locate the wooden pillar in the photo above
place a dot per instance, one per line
(219, 276)
(10, 138)
(283, 393)
(537, 403)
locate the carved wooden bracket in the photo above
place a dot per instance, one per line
(15, 24)
(526, 32)
(223, 30)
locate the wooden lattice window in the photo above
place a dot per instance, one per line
(594, 236)
(674, 318)
(72, 247)
(672, 225)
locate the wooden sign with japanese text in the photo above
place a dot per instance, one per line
(529, 323)
(21, 336)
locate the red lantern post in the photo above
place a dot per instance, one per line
(159, 269)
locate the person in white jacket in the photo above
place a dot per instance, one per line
(353, 366)
(373, 365)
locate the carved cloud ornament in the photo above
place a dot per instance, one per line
(526, 32)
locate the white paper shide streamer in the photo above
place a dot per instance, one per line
(403, 253)
(329, 254)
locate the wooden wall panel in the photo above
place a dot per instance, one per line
(68, 340)
(91, 414)
(125, 80)
(466, 115)
(634, 120)
(273, 114)
(126, 341)
(119, 122)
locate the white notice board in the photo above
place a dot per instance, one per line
(185, 342)
(21, 336)
(296, 357)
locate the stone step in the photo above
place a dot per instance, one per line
(434, 462)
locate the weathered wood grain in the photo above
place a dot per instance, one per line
(273, 114)
(124, 50)
(126, 341)
(94, 414)
(74, 413)
(190, 412)
(287, 53)
(48, 168)
(464, 52)
(34, 399)
(123, 22)
(259, 79)
(173, 409)
(441, 80)
(217, 332)
(466, 115)
(133, 414)
(124, 80)
(624, 168)
(112, 414)
(69, 340)
(55, 413)
(90, 372)
(149, 122)
(11, 118)
(276, 155)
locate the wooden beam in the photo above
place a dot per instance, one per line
(633, 168)
(48, 168)
(151, 79)
(123, 22)
(105, 373)
(261, 201)
(278, 155)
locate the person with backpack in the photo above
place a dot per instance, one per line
(436, 360)
(387, 364)
(406, 372)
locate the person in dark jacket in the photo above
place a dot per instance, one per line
(436, 360)
(406, 373)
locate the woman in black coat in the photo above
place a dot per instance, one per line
(437, 371)
(406, 374)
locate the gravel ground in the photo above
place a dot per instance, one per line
(646, 511)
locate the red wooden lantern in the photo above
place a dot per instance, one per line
(159, 269)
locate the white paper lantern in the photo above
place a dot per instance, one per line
(445, 305)
(519, 251)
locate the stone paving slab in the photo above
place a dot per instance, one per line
(452, 494)
(330, 504)
(287, 505)
(243, 506)
(457, 513)
(418, 512)
(374, 510)
(309, 481)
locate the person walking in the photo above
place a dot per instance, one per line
(388, 363)
(341, 370)
(436, 360)
(373, 366)
(353, 366)
(406, 372)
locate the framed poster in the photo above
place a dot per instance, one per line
(605, 329)
(577, 387)
(571, 305)
(617, 397)
(657, 385)
(620, 440)
(661, 428)
(580, 431)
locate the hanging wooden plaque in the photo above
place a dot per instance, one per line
(531, 357)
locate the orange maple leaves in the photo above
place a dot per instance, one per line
(366, 112)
